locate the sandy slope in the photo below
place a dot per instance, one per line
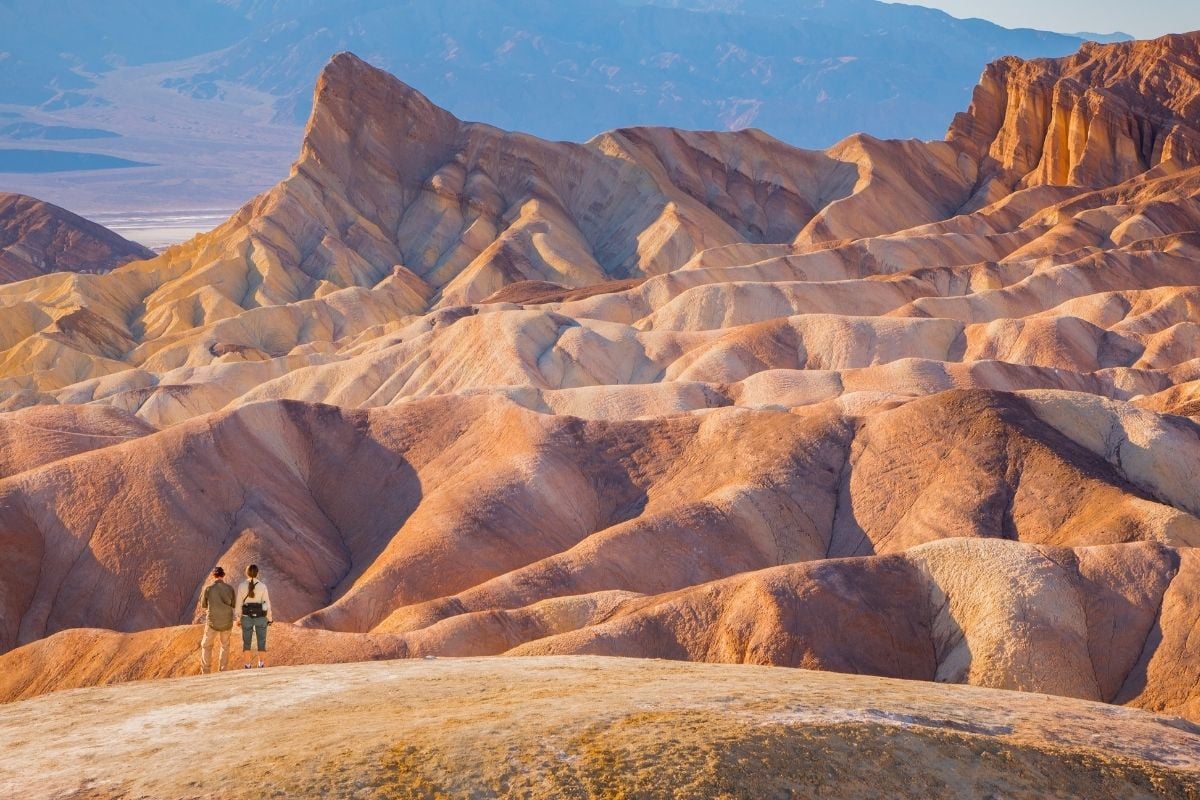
(582, 728)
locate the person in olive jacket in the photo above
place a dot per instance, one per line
(217, 602)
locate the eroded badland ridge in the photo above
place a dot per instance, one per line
(38, 238)
(922, 410)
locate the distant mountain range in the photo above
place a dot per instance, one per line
(807, 72)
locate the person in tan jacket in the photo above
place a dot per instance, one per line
(217, 600)
(254, 613)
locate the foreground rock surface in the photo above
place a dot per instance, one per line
(583, 727)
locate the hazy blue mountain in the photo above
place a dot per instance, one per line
(1103, 38)
(808, 72)
(48, 47)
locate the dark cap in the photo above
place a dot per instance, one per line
(218, 572)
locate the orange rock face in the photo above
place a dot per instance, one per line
(1098, 118)
(914, 409)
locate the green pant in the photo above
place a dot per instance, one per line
(256, 626)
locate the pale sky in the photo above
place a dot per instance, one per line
(1144, 19)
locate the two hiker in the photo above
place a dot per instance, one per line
(249, 606)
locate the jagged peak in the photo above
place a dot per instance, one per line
(359, 104)
(346, 73)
